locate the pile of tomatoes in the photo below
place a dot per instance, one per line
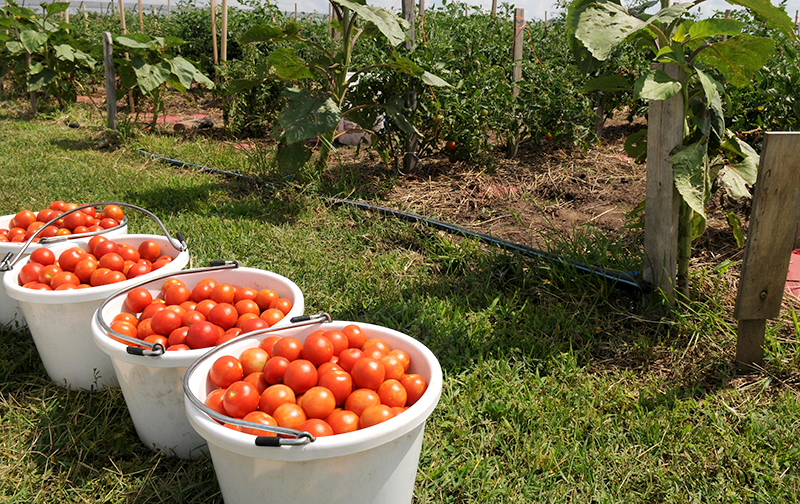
(210, 313)
(336, 381)
(25, 223)
(103, 262)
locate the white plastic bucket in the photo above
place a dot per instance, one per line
(376, 465)
(9, 307)
(59, 321)
(153, 385)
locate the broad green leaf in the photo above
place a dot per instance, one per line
(583, 58)
(176, 84)
(288, 65)
(150, 77)
(292, 157)
(736, 177)
(394, 109)
(183, 70)
(41, 79)
(307, 116)
(636, 146)
(738, 58)
(204, 81)
(238, 85)
(433, 80)
(261, 33)
(688, 164)
(86, 58)
(56, 7)
(602, 25)
(64, 52)
(655, 85)
(406, 66)
(715, 27)
(127, 41)
(15, 47)
(35, 68)
(774, 16)
(169, 42)
(736, 227)
(711, 86)
(393, 28)
(608, 83)
(32, 41)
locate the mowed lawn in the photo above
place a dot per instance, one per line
(559, 387)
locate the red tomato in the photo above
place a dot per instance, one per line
(415, 386)
(318, 402)
(205, 306)
(240, 399)
(74, 220)
(112, 261)
(348, 358)
(155, 306)
(192, 317)
(272, 316)
(275, 395)
(253, 324)
(178, 337)
(318, 349)
(113, 277)
(450, 145)
(368, 373)
(374, 352)
(282, 304)
(403, 357)
(392, 393)
(376, 343)
(43, 256)
(361, 399)
(64, 278)
(202, 335)
(328, 366)
(247, 306)
(127, 317)
(265, 297)
(355, 336)
(393, 367)
(338, 339)
(269, 342)
(128, 253)
(201, 291)
(113, 212)
(375, 415)
(225, 371)
(339, 383)
(149, 250)
(289, 347)
(93, 241)
(138, 299)
(275, 368)
(48, 272)
(70, 258)
(243, 293)
(124, 328)
(30, 272)
(214, 401)
(257, 380)
(144, 330)
(300, 375)
(165, 321)
(343, 421)
(24, 218)
(253, 360)
(223, 293)
(316, 427)
(289, 415)
(177, 294)
(259, 417)
(104, 247)
(224, 315)
(86, 267)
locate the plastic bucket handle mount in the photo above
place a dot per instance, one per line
(8, 262)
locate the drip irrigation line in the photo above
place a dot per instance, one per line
(629, 280)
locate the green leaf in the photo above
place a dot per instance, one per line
(64, 52)
(239, 85)
(636, 146)
(32, 41)
(406, 66)
(738, 58)
(736, 227)
(583, 58)
(393, 27)
(394, 109)
(288, 65)
(655, 85)
(691, 181)
(774, 16)
(56, 7)
(737, 176)
(602, 25)
(127, 41)
(150, 77)
(307, 116)
(609, 83)
(41, 79)
(715, 27)
(261, 33)
(183, 70)
(433, 80)
(292, 157)
(15, 47)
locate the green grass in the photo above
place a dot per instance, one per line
(558, 386)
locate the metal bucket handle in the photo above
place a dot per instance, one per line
(298, 437)
(7, 263)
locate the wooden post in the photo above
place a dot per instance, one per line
(410, 159)
(295, 12)
(664, 133)
(224, 34)
(169, 8)
(422, 11)
(34, 99)
(494, 8)
(111, 91)
(85, 16)
(519, 25)
(214, 31)
(770, 239)
(141, 17)
(122, 17)
(66, 14)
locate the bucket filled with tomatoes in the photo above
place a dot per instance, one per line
(154, 331)
(340, 416)
(53, 226)
(59, 289)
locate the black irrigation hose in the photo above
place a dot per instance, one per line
(630, 280)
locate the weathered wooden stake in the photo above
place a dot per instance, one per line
(770, 240)
(494, 8)
(224, 33)
(662, 201)
(214, 31)
(519, 25)
(295, 12)
(141, 17)
(111, 88)
(410, 159)
(421, 11)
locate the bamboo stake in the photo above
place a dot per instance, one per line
(214, 30)
(141, 17)
(224, 43)
(519, 25)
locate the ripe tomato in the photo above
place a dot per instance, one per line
(257, 380)
(327, 366)
(104, 247)
(300, 375)
(86, 267)
(48, 272)
(289, 347)
(318, 402)
(64, 278)
(192, 317)
(361, 399)
(269, 342)
(43, 256)
(392, 393)
(275, 395)
(165, 321)
(70, 258)
(338, 339)
(201, 291)
(368, 373)
(224, 315)
(253, 360)
(112, 212)
(348, 358)
(355, 336)
(243, 293)
(178, 337)
(259, 417)
(155, 306)
(393, 367)
(316, 427)
(339, 383)
(289, 415)
(450, 145)
(169, 283)
(223, 293)
(343, 421)
(149, 250)
(275, 368)
(24, 218)
(177, 294)
(214, 401)
(282, 304)
(138, 299)
(247, 306)
(30, 272)
(202, 335)
(240, 399)
(127, 317)
(272, 316)
(265, 297)
(205, 306)
(252, 324)
(144, 330)
(415, 386)
(225, 371)
(128, 253)
(375, 415)
(112, 261)
(93, 241)
(318, 349)
(74, 220)
(403, 357)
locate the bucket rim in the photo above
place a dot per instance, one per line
(328, 446)
(16, 291)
